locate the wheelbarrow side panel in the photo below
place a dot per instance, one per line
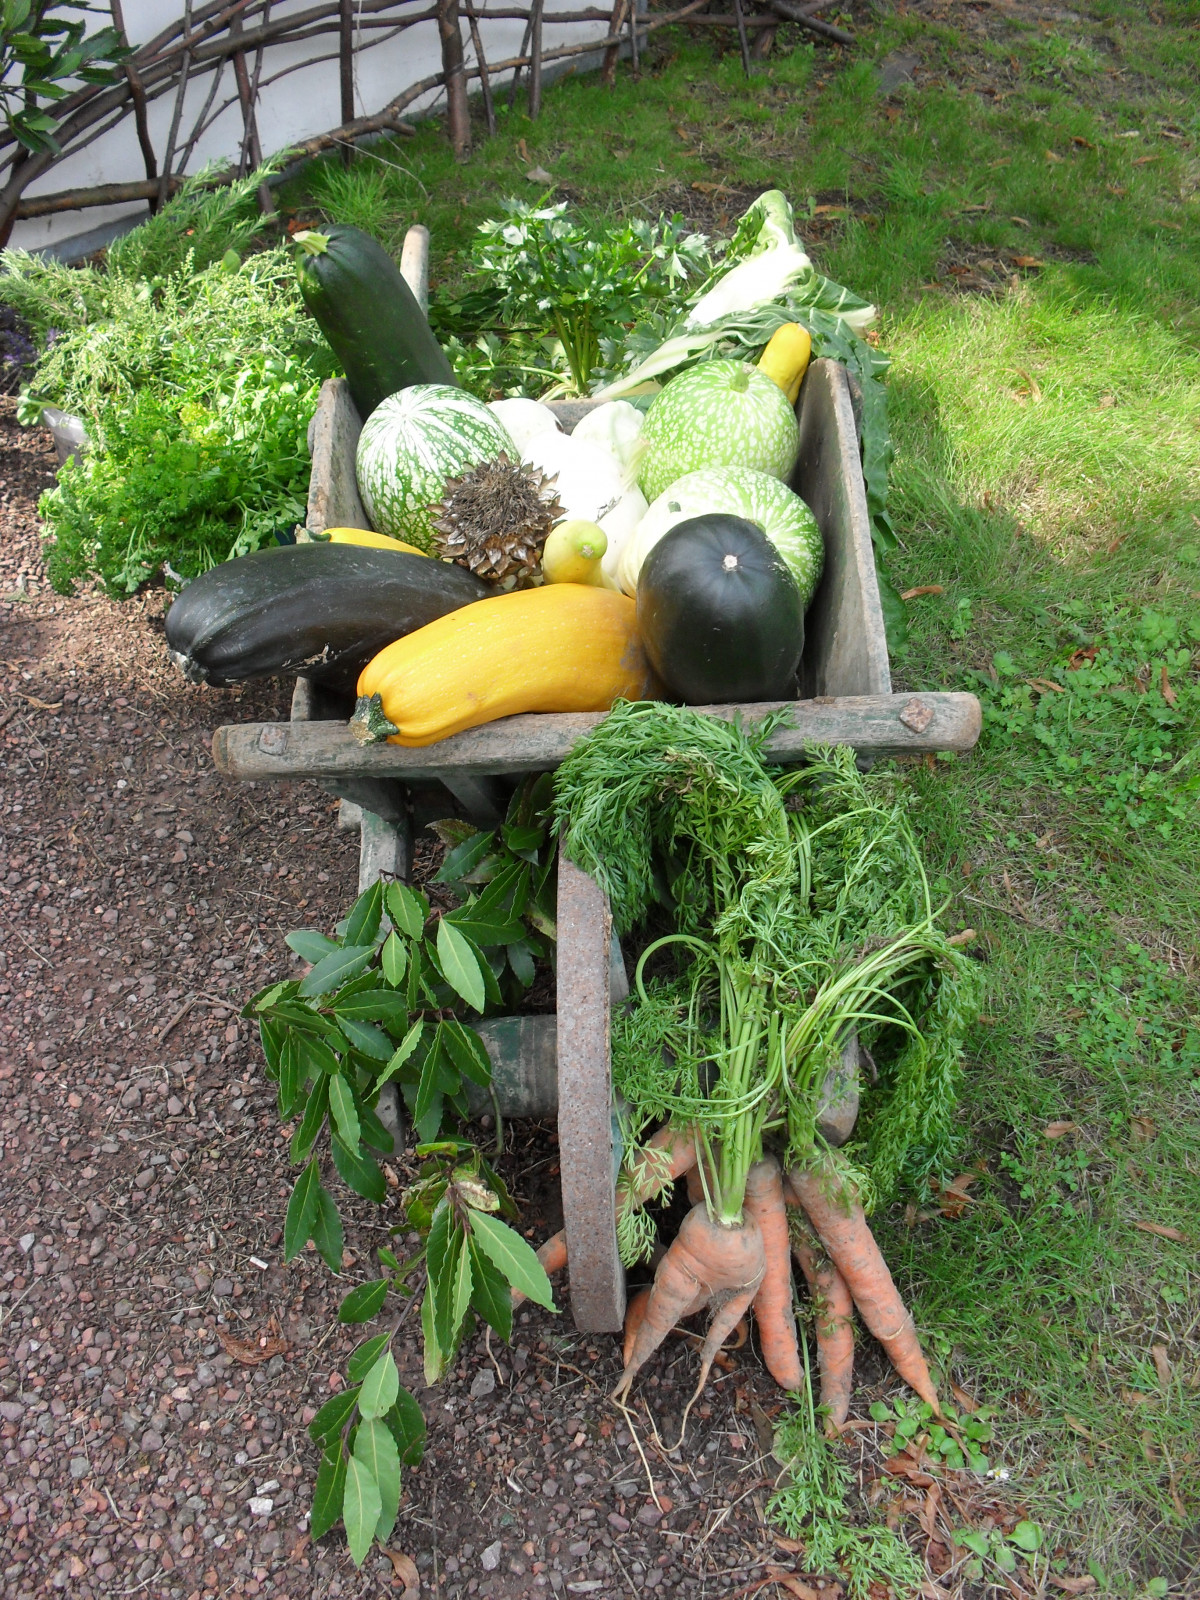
(845, 650)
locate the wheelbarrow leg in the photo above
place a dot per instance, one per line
(586, 1144)
(385, 850)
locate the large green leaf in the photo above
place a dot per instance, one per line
(328, 1491)
(402, 1052)
(361, 1506)
(407, 1423)
(464, 857)
(367, 1038)
(490, 1294)
(363, 922)
(468, 1052)
(375, 1004)
(336, 968)
(291, 1076)
(408, 909)
(393, 958)
(364, 1300)
(380, 1387)
(513, 1258)
(332, 1417)
(436, 1360)
(314, 1116)
(345, 1113)
(327, 1231)
(460, 966)
(487, 931)
(375, 1447)
(359, 1171)
(373, 1131)
(301, 1211)
(310, 945)
(364, 1357)
(272, 1036)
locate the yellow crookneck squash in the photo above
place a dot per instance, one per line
(371, 539)
(563, 647)
(785, 358)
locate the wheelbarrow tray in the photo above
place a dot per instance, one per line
(847, 700)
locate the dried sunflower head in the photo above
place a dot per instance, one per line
(494, 519)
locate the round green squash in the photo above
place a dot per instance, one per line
(717, 414)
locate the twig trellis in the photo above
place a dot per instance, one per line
(211, 35)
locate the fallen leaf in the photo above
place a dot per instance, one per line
(39, 705)
(1035, 391)
(927, 1516)
(1162, 1232)
(1051, 156)
(966, 1401)
(522, 150)
(1056, 1130)
(712, 188)
(1027, 261)
(538, 175)
(405, 1569)
(954, 1198)
(1074, 1423)
(831, 211)
(1176, 227)
(1142, 1129)
(1083, 657)
(923, 588)
(1003, 162)
(902, 1465)
(1143, 161)
(793, 1584)
(1072, 1585)
(251, 1352)
(794, 1547)
(1114, 188)
(1086, 144)
(1021, 222)
(764, 1428)
(1158, 1354)
(977, 208)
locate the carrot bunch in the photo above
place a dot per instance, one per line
(801, 914)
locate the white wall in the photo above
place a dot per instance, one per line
(302, 103)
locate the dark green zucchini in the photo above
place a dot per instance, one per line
(719, 613)
(322, 610)
(369, 315)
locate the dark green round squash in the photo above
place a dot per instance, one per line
(719, 613)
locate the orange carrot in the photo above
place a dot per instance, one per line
(834, 1330)
(841, 1226)
(763, 1204)
(635, 1315)
(695, 1185)
(552, 1255)
(667, 1156)
(706, 1264)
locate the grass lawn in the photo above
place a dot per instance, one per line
(1024, 209)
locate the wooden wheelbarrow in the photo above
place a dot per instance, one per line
(563, 1064)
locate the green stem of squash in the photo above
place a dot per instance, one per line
(370, 723)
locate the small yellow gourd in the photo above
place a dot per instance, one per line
(373, 540)
(785, 359)
(573, 553)
(563, 647)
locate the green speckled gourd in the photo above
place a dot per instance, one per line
(412, 445)
(717, 414)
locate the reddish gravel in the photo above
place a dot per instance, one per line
(144, 1177)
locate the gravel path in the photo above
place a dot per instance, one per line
(158, 1361)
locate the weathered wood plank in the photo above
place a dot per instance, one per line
(845, 650)
(333, 498)
(886, 724)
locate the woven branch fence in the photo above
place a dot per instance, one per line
(238, 44)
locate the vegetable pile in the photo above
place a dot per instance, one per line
(657, 549)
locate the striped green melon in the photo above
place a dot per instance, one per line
(735, 492)
(718, 414)
(411, 444)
